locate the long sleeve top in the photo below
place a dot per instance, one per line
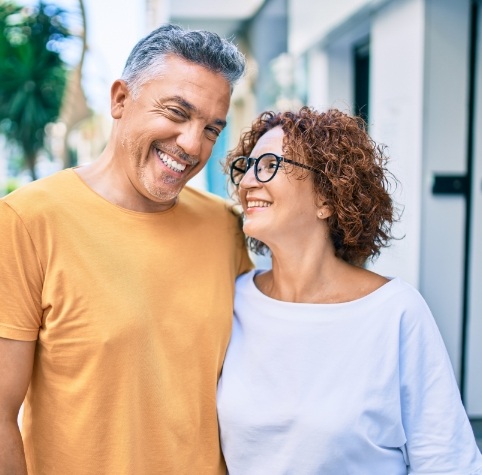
(358, 388)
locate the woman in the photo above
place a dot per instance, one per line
(331, 369)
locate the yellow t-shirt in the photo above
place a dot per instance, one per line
(132, 316)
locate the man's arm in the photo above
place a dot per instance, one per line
(16, 361)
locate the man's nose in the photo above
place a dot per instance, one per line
(190, 139)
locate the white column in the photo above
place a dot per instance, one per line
(474, 347)
(396, 114)
(445, 152)
(158, 12)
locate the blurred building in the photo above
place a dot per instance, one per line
(413, 68)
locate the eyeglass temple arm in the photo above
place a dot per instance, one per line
(302, 165)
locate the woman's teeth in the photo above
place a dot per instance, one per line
(258, 204)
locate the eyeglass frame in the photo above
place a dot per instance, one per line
(254, 161)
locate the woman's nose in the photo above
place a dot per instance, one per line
(249, 179)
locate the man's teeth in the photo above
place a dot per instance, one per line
(172, 164)
(258, 204)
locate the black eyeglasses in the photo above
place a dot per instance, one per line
(265, 167)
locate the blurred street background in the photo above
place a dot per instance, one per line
(411, 68)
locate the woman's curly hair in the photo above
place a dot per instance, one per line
(351, 178)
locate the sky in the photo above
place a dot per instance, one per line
(113, 28)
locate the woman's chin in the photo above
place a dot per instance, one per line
(252, 231)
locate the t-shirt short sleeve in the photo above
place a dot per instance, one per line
(21, 279)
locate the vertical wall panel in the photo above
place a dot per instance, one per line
(397, 120)
(445, 145)
(473, 387)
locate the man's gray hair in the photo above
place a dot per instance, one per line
(205, 48)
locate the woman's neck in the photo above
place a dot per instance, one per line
(315, 275)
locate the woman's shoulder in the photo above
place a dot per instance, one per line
(244, 280)
(367, 282)
(359, 283)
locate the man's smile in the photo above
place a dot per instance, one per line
(170, 162)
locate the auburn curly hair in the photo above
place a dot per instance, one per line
(351, 176)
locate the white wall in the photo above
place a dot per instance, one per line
(396, 115)
(111, 34)
(330, 76)
(318, 67)
(445, 134)
(311, 21)
(474, 347)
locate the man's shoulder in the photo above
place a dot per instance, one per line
(42, 197)
(203, 200)
(196, 194)
(42, 188)
(206, 204)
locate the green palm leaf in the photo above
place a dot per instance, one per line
(32, 73)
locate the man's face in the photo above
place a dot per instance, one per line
(166, 134)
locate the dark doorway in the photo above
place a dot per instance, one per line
(361, 60)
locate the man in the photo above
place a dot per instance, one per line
(117, 283)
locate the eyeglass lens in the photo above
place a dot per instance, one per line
(266, 167)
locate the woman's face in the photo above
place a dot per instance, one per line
(282, 210)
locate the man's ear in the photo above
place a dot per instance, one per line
(118, 95)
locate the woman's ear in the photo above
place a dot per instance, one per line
(324, 210)
(118, 95)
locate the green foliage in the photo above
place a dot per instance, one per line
(32, 73)
(11, 185)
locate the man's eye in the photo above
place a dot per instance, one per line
(212, 132)
(177, 112)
